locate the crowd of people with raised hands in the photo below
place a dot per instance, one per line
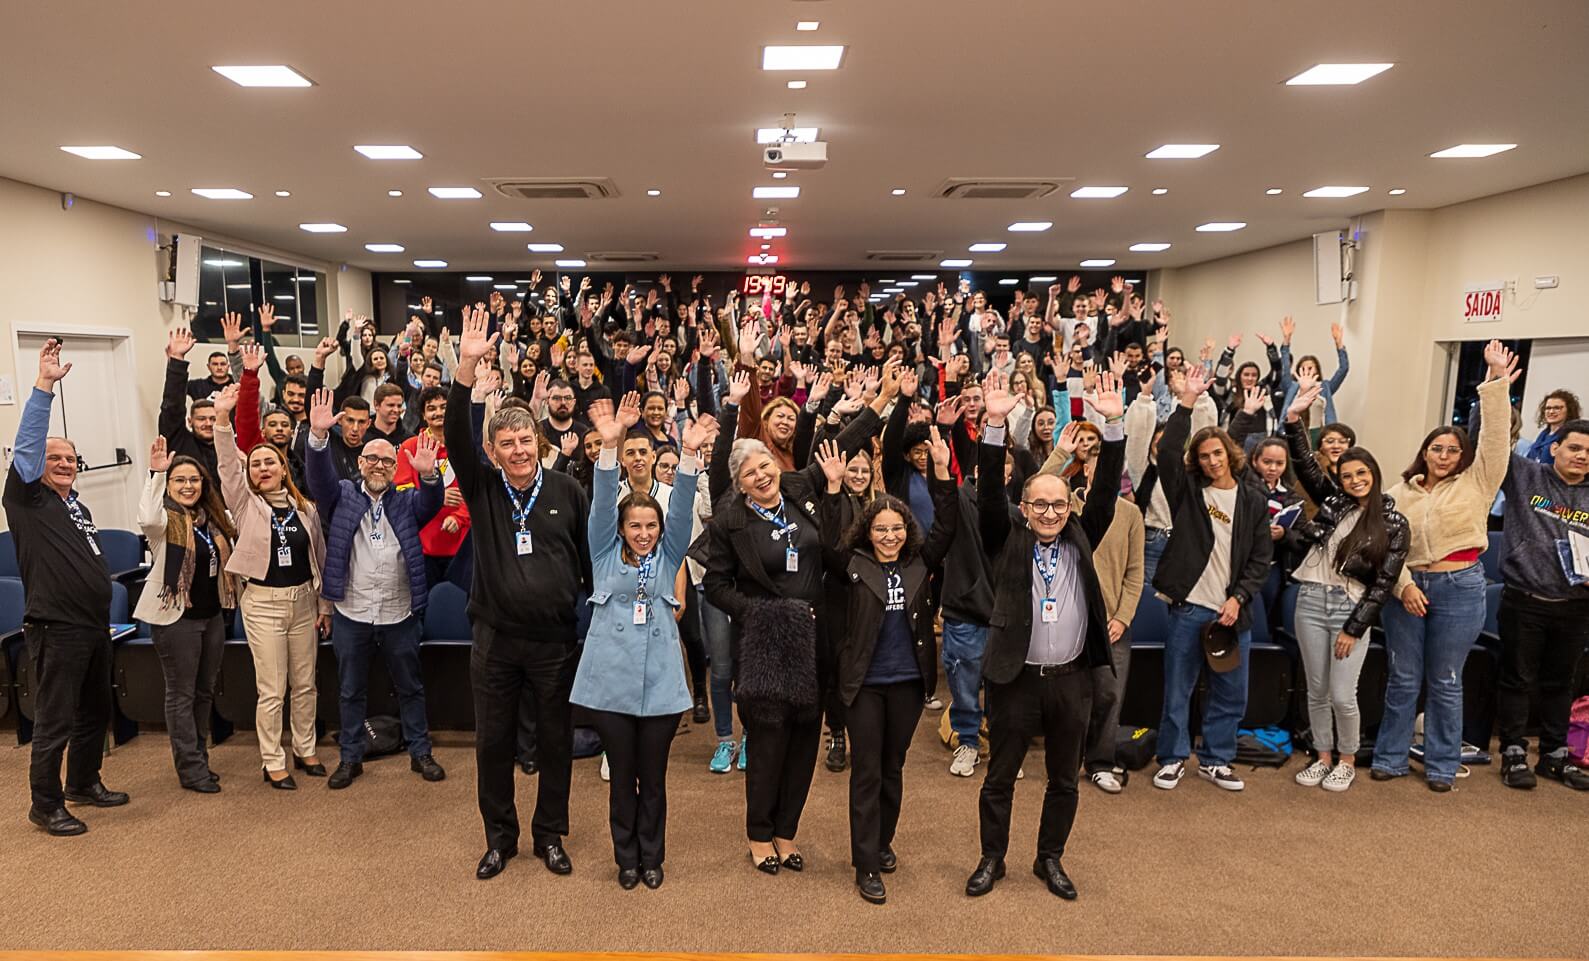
(891, 486)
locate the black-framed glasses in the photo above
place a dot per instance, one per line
(387, 462)
(1047, 507)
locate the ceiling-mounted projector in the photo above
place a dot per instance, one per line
(792, 155)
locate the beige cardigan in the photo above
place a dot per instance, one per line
(1118, 561)
(1454, 516)
(152, 521)
(251, 515)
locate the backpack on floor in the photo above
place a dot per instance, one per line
(1263, 747)
(383, 735)
(1578, 732)
(1135, 746)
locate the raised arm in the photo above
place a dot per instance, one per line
(1099, 511)
(174, 396)
(459, 437)
(1314, 480)
(247, 419)
(325, 487)
(1177, 432)
(1141, 420)
(1493, 448)
(945, 504)
(993, 506)
(602, 532)
(228, 462)
(719, 482)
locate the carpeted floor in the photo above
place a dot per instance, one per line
(1385, 869)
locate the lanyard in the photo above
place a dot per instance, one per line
(77, 514)
(781, 526)
(377, 511)
(521, 512)
(647, 567)
(205, 537)
(280, 524)
(1047, 563)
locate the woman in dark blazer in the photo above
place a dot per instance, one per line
(886, 660)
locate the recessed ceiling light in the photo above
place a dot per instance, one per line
(430, 264)
(544, 248)
(797, 85)
(1220, 226)
(801, 57)
(103, 153)
(1160, 191)
(1397, 191)
(762, 259)
(384, 248)
(323, 228)
(162, 193)
(454, 193)
(807, 25)
(781, 134)
(237, 286)
(1008, 282)
(394, 193)
(402, 281)
(391, 151)
(1148, 248)
(1273, 192)
(1097, 193)
(479, 279)
(267, 75)
(1337, 74)
(222, 193)
(885, 280)
(780, 175)
(505, 286)
(923, 276)
(1468, 150)
(1181, 151)
(954, 262)
(986, 248)
(653, 192)
(1045, 279)
(282, 297)
(774, 193)
(909, 283)
(511, 226)
(570, 263)
(1335, 191)
(769, 231)
(897, 192)
(1100, 262)
(1030, 226)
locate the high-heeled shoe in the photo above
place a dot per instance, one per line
(284, 784)
(793, 862)
(313, 770)
(767, 865)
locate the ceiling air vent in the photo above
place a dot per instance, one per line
(554, 188)
(624, 256)
(999, 188)
(903, 256)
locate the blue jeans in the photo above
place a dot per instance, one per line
(1227, 692)
(355, 645)
(1429, 652)
(1153, 543)
(963, 644)
(717, 634)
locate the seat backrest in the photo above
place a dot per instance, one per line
(11, 604)
(123, 550)
(8, 556)
(446, 615)
(118, 603)
(1152, 623)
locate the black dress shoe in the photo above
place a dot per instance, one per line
(870, 884)
(1055, 877)
(313, 770)
(651, 877)
(795, 862)
(555, 857)
(344, 775)
(701, 714)
(215, 777)
(628, 878)
(426, 767)
(494, 861)
(887, 862)
(767, 865)
(285, 784)
(528, 765)
(981, 881)
(203, 787)
(58, 822)
(97, 795)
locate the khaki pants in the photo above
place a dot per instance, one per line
(280, 623)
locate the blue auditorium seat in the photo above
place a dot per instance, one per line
(446, 615)
(1151, 625)
(444, 659)
(8, 556)
(11, 603)
(123, 555)
(1493, 557)
(139, 682)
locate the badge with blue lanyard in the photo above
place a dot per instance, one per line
(1047, 563)
(781, 527)
(82, 522)
(283, 550)
(209, 542)
(521, 513)
(642, 600)
(377, 511)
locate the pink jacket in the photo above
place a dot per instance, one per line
(251, 515)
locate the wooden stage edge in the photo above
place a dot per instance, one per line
(634, 956)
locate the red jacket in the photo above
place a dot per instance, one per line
(435, 541)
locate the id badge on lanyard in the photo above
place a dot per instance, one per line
(791, 559)
(523, 543)
(1049, 611)
(284, 556)
(641, 611)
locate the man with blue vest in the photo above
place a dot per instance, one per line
(375, 577)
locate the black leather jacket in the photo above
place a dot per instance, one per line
(1334, 504)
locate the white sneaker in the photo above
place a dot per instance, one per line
(1020, 774)
(965, 761)
(1221, 775)
(1314, 774)
(1341, 778)
(606, 772)
(934, 704)
(1107, 782)
(1169, 775)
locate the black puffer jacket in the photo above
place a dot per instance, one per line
(1334, 504)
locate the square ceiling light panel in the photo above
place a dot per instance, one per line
(264, 75)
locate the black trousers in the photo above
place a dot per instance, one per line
(637, 797)
(834, 712)
(690, 636)
(71, 707)
(882, 720)
(1108, 690)
(1541, 645)
(524, 741)
(508, 667)
(1056, 706)
(190, 658)
(783, 759)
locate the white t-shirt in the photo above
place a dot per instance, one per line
(1319, 566)
(1210, 590)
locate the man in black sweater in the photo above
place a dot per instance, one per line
(532, 566)
(67, 614)
(186, 432)
(220, 366)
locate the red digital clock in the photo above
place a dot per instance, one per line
(758, 285)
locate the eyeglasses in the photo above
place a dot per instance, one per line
(894, 529)
(1046, 507)
(387, 462)
(1555, 408)
(1438, 450)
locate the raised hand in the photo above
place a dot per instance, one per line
(1117, 284)
(324, 349)
(232, 329)
(1308, 390)
(738, 386)
(997, 399)
(939, 448)
(1265, 339)
(709, 342)
(1288, 327)
(159, 457)
(1073, 284)
(819, 390)
(909, 382)
(559, 351)
(831, 459)
(1252, 399)
(568, 443)
(1502, 362)
(267, 316)
(1338, 335)
(178, 343)
(322, 412)
(1117, 363)
(1194, 385)
(681, 391)
(629, 410)
(1069, 438)
(698, 433)
(253, 356)
(474, 343)
(225, 401)
(51, 370)
(1107, 399)
(426, 449)
(949, 411)
(1233, 343)
(509, 353)
(603, 422)
(637, 354)
(889, 380)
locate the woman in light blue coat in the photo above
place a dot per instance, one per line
(1308, 366)
(631, 676)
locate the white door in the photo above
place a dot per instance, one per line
(94, 409)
